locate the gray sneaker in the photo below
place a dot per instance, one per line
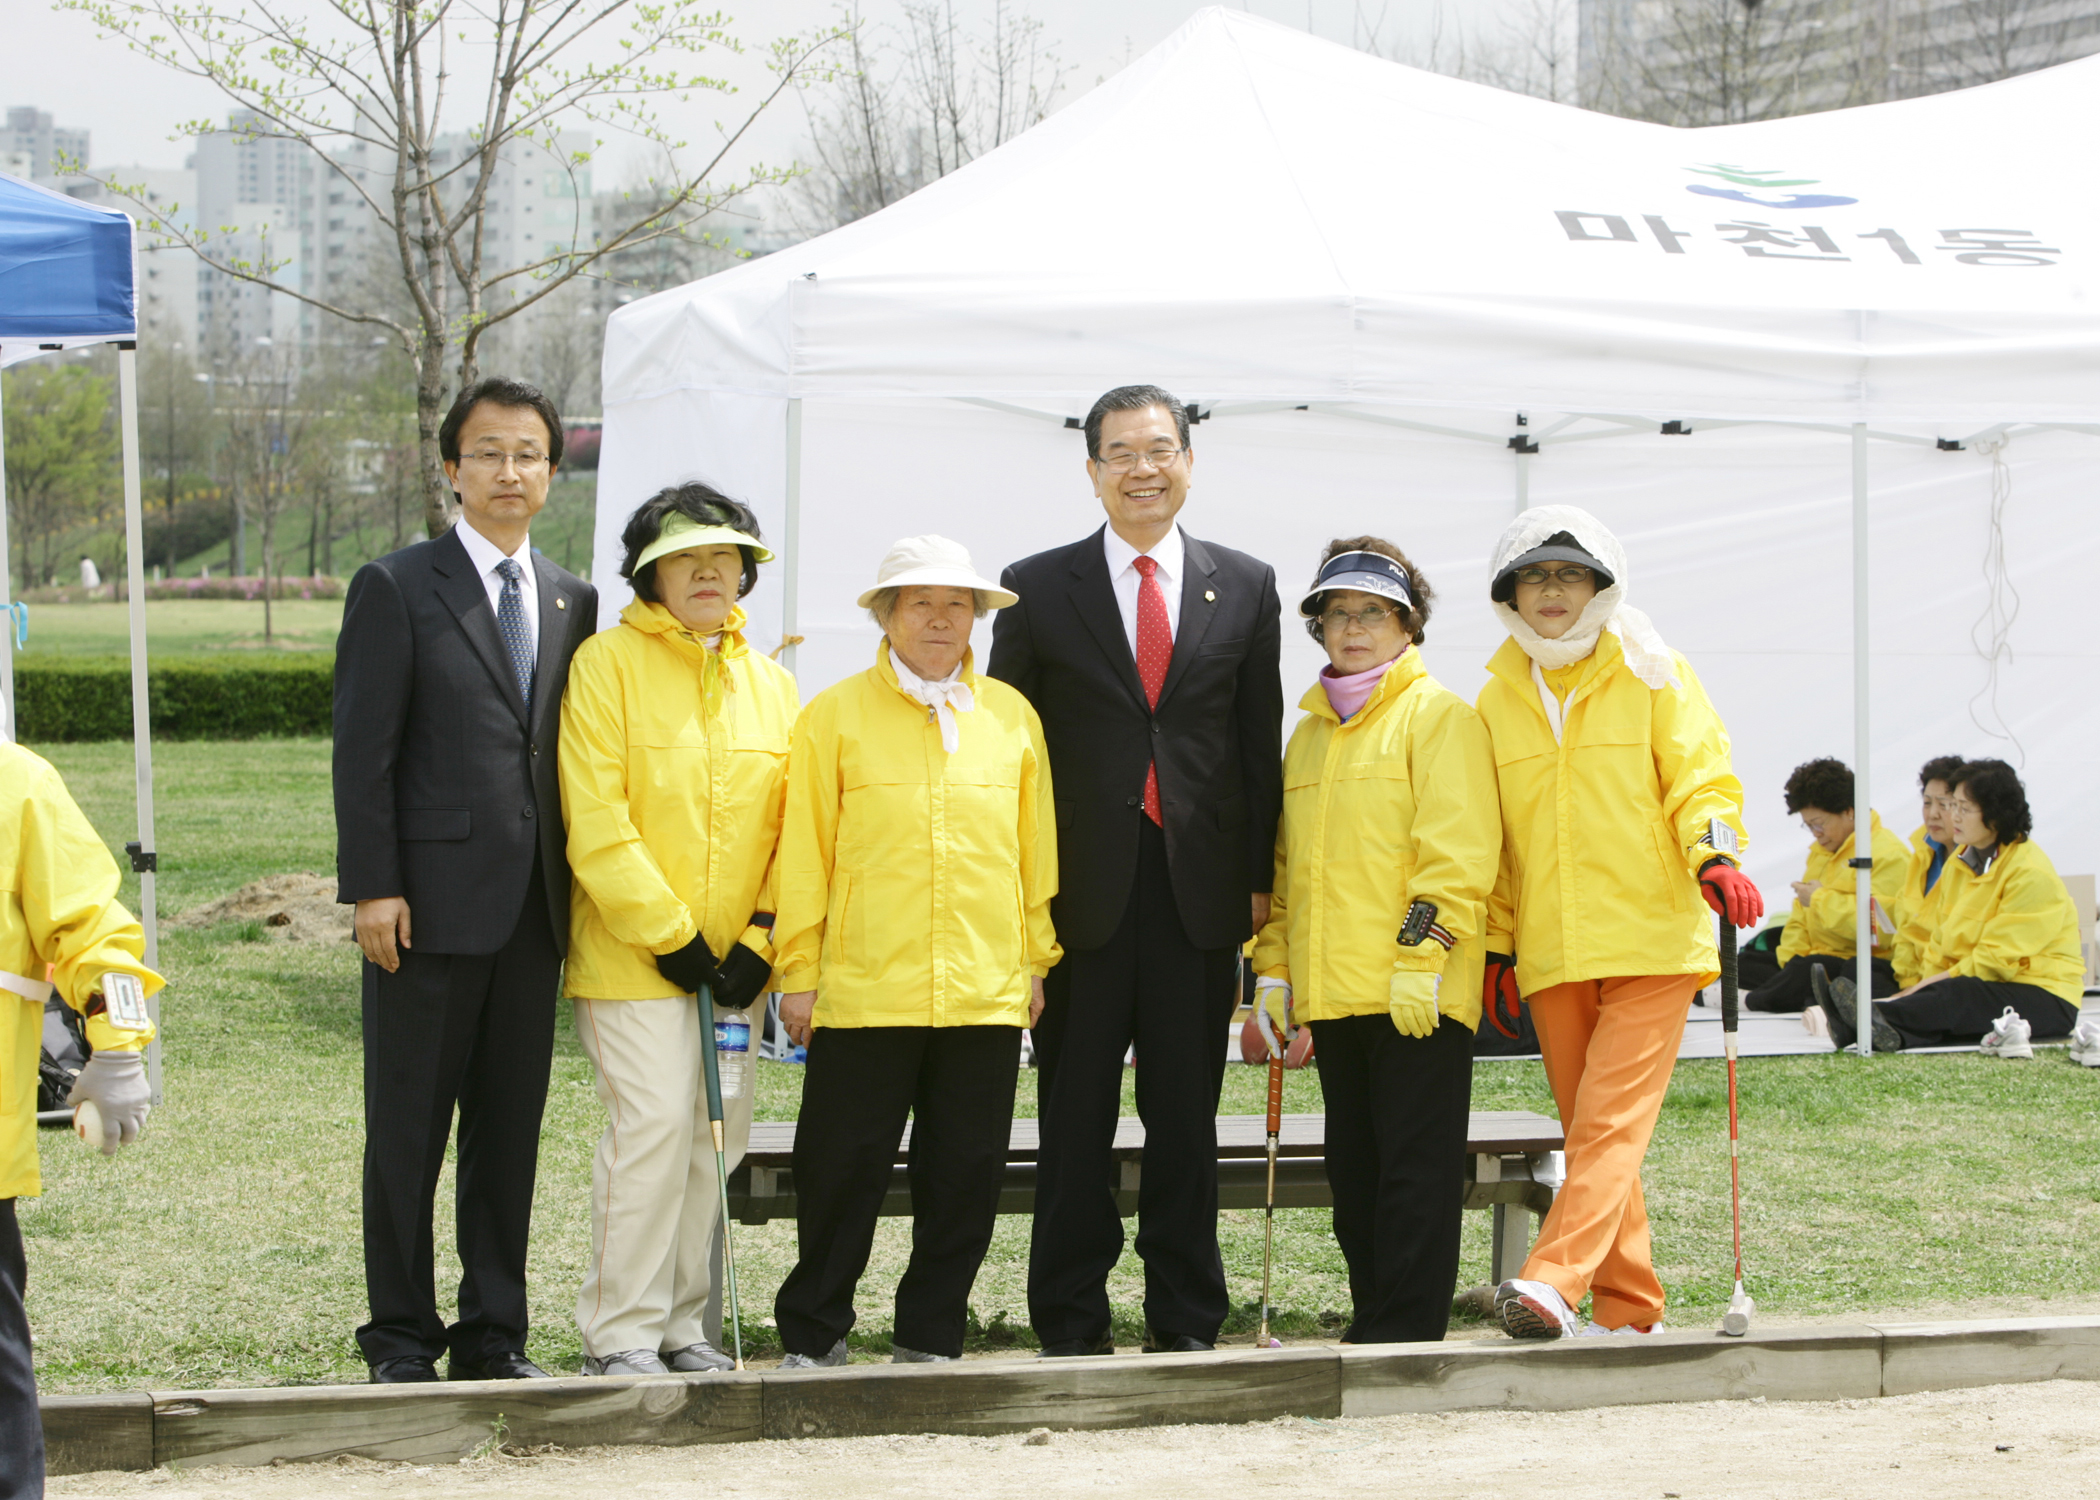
(831, 1359)
(693, 1359)
(899, 1355)
(626, 1362)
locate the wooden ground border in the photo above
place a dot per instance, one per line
(447, 1422)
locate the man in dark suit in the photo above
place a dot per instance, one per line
(448, 684)
(1151, 658)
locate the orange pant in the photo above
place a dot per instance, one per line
(1609, 1046)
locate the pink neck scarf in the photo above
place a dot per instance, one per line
(1349, 694)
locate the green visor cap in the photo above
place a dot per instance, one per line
(680, 533)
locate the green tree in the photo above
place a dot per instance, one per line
(61, 458)
(366, 86)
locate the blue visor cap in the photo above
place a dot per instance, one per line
(1367, 572)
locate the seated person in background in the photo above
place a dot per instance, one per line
(1933, 840)
(2003, 957)
(1917, 908)
(1821, 930)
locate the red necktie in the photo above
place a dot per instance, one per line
(1155, 648)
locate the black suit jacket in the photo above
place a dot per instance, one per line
(1217, 734)
(444, 784)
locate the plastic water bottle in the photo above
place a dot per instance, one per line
(733, 1051)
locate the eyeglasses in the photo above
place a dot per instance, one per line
(1570, 575)
(527, 462)
(1371, 617)
(1157, 458)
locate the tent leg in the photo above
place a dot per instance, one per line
(1523, 483)
(791, 546)
(1862, 753)
(7, 630)
(141, 717)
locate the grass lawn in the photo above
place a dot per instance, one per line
(224, 1248)
(181, 627)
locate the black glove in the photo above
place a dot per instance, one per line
(691, 966)
(744, 976)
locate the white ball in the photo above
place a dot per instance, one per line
(87, 1123)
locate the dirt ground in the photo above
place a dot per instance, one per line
(2035, 1441)
(291, 908)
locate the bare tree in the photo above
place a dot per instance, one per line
(916, 98)
(1712, 62)
(1967, 42)
(366, 89)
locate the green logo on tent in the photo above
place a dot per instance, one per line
(1770, 180)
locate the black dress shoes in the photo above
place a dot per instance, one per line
(405, 1369)
(508, 1365)
(1104, 1343)
(1174, 1343)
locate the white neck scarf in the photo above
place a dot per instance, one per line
(946, 698)
(1647, 657)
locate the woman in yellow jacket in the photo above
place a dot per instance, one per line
(673, 777)
(2003, 964)
(1384, 860)
(59, 914)
(1620, 813)
(1821, 927)
(916, 871)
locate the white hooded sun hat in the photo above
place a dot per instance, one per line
(934, 562)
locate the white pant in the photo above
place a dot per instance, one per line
(653, 1191)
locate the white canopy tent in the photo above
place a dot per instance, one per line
(1387, 291)
(68, 280)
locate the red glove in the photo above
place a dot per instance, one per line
(1729, 892)
(1499, 999)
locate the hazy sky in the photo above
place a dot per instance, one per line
(54, 62)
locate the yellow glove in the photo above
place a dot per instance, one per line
(1411, 998)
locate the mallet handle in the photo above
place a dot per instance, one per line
(1729, 1011)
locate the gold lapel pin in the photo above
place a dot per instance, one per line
(561, 603)
(1210, 596)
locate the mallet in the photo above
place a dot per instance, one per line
(711, 1070)
(1268, 1232)
(1736, 1322)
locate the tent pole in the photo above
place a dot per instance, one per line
(1523, 483)
(7, 624)
(141, 717)
(1862, 754)
(791, 545)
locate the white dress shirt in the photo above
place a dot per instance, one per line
(485, 554)
(1124, 578)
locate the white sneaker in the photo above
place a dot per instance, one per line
(899, 1355)
(2085, 1042)
(1655, 1327)
(626, 1362)
(2009, 1036)
(831, 1359)
(1534, 1310)
(1815, 1023)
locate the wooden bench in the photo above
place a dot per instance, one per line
(1506, 1152)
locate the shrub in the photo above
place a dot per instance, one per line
(89, 698)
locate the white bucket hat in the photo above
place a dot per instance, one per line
(936, 562)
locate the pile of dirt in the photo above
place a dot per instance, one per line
(295, 908)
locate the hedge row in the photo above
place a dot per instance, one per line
(89, 698)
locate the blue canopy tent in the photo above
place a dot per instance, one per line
(69, 277)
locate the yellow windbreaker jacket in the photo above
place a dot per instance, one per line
(58, 907)
(1826, 923)
(1907, 955)
(915, 885)
(2013, 924)
(1397, 805)
(1604, 830)
(1914, 892)
(673, 811)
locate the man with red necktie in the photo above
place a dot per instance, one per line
(1151, 659)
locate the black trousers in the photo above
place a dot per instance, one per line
(475, 1030)
(1148, 986)
(1962, 1009)
(1396, 1161)
(957, 1084)
(21, 1428)
(1790, 991)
